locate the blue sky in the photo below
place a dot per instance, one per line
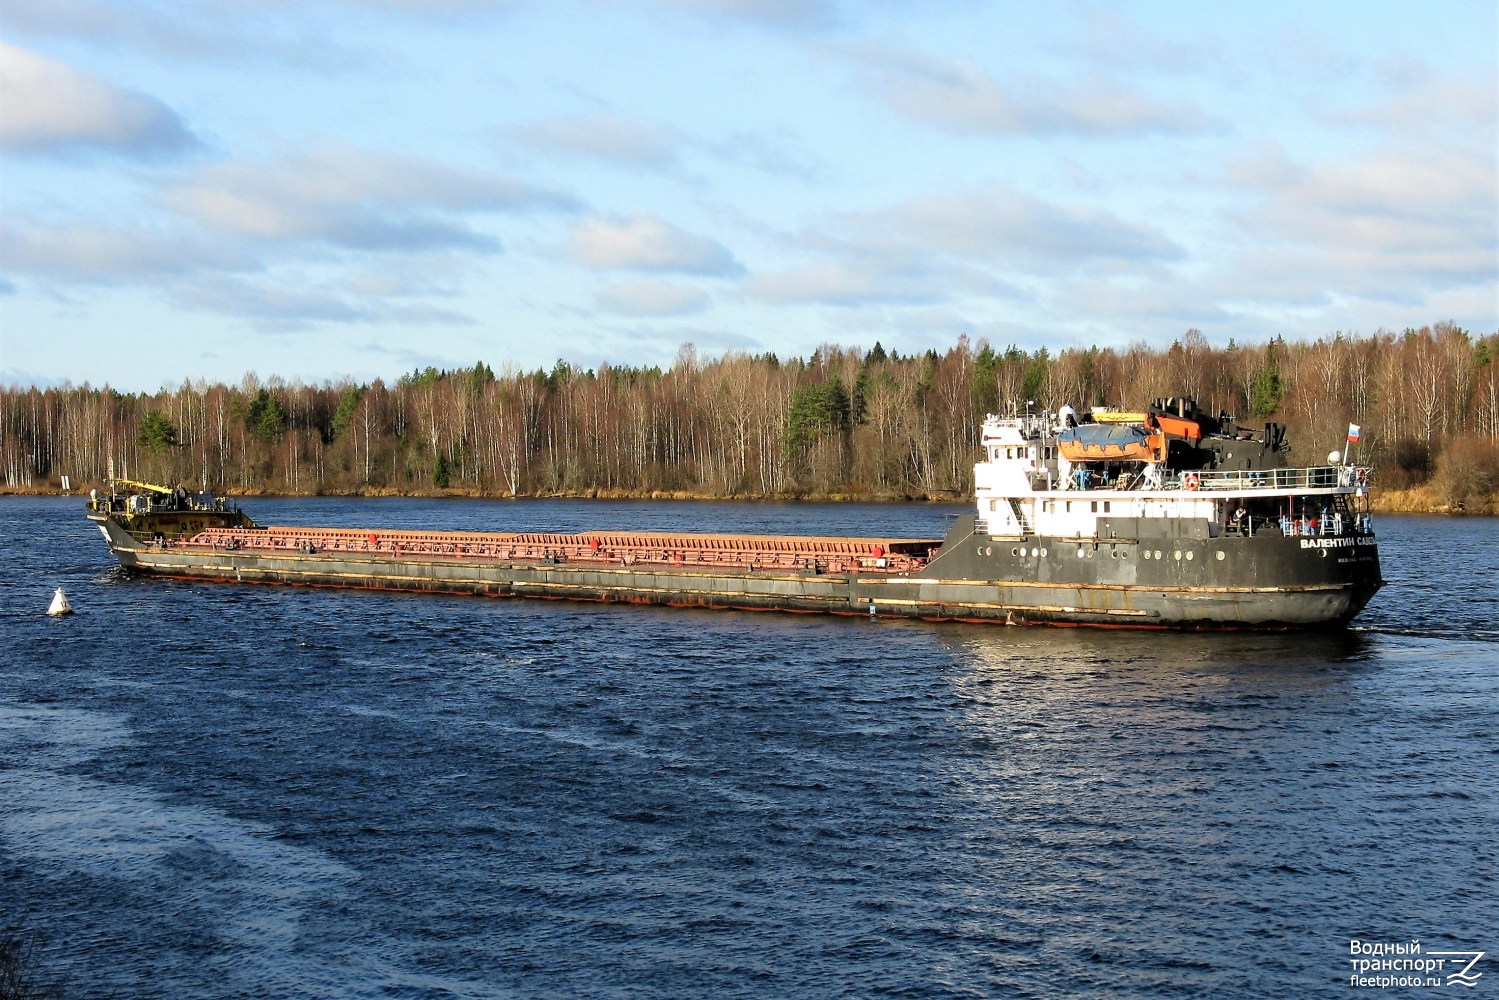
(326, 188)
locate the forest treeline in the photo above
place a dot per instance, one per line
(846, 421)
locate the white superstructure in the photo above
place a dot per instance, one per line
(1025, 486)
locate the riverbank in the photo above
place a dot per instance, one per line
(1426, 499)
(1423, 499)
(592, 493)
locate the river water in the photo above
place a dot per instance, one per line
(238, 791)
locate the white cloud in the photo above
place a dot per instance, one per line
(960, 98)
(307, 35)
(652, 298)
(852, 282)
(439, 8)
(603, 137)
(1115, 38)
(354, 198)
(639, 145)
(645, 242)
(99, 254)
(1367, 225)
(987, 242)
(998, 224)
(777, 13)
(337, 235)
(779, 151)
(273, 303)
(14, 378)
(49, 108)
(285, 302)
(148, 24)
(1461, 108)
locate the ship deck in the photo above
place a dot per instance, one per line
(599, 548)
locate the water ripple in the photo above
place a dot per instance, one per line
(241, 791)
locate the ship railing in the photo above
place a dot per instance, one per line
(1312, 477)
(1310, 526)
(1330, 524)
(1334, 524)
(1030, 426)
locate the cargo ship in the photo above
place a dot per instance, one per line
(1161, 518)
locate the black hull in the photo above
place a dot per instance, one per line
(1161, 582)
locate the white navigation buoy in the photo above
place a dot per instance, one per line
(60, 605)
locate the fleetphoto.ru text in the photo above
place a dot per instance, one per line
(1382, 965)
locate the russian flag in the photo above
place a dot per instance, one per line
(1353, 432)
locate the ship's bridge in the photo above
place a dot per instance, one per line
(1019, 451)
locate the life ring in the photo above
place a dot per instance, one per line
(1191, 481)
